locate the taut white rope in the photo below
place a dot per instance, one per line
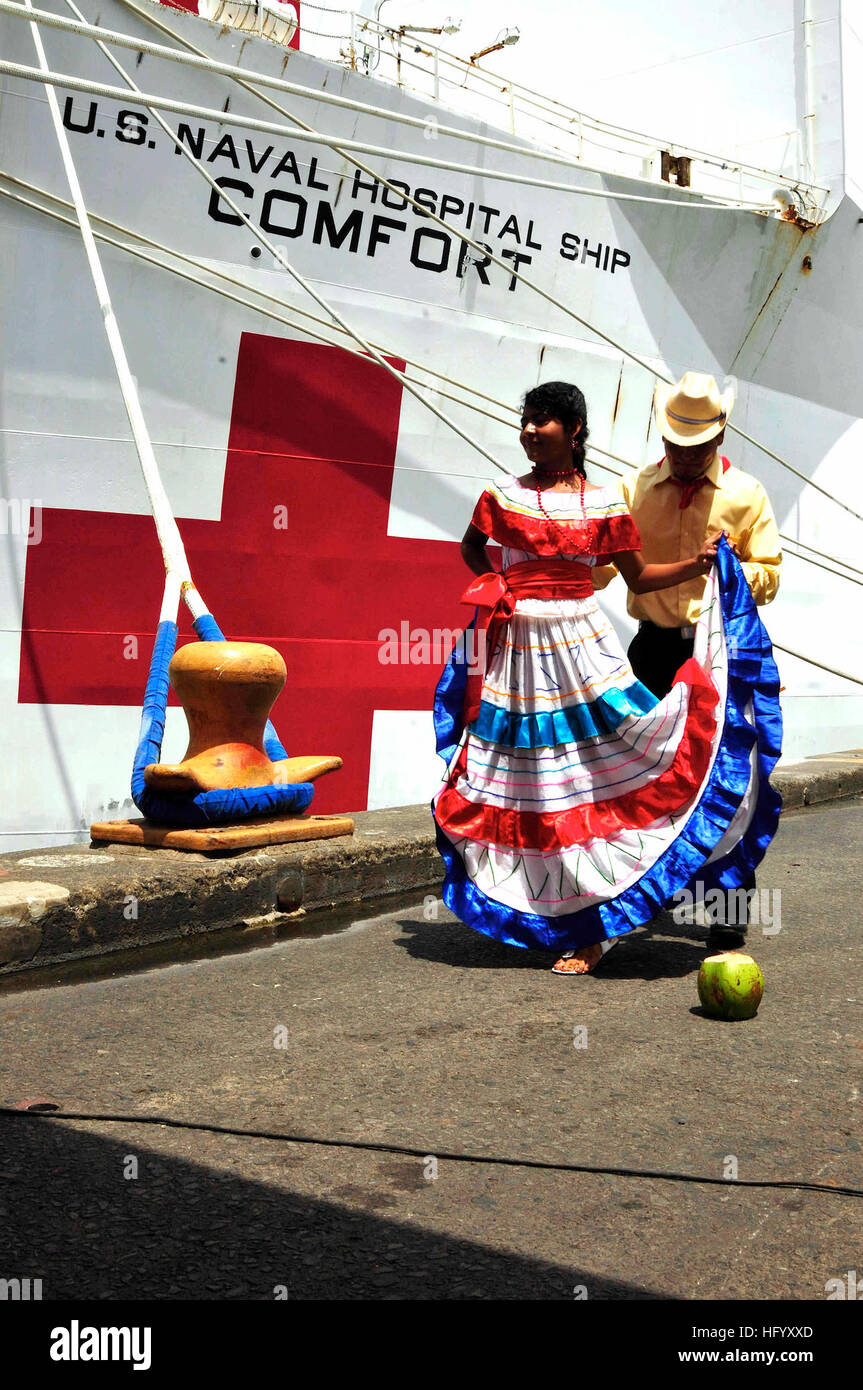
(193, 600)
(282, 259)
(153, 102)
(283, 318)
(308, 134)
(810, 661)
(200, 60)
(574, 117)
(197, 277)
(468, 241)
(173, 551)
(331, 338)
(186, 108)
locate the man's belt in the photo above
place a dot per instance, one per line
(687, 631)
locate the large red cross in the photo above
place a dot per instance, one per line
(313, 430)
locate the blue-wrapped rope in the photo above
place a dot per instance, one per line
(206, 808)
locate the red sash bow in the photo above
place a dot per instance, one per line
(495, 596)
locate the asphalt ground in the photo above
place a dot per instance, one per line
(408, 1028)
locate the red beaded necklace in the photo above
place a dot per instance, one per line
(588, 525)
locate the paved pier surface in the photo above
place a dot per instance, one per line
(76, 902)
(413, 1031)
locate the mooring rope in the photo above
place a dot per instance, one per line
(300, 279)
(173, 551)
(293, 323)
(205, 807)
(197, 278)
(306, 133)
(202, 269)
(550, 106)
(146, 456)
(154, 102)
(197, 58)
(287, 321)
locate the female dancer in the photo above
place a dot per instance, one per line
(575, 804)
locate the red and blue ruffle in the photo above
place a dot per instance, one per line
(751, 718)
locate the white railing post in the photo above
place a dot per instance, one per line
(436, 76)
(512, 108)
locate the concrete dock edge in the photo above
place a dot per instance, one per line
(74, 902)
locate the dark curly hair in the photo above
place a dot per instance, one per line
(563, 401)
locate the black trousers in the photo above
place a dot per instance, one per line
(655, 654)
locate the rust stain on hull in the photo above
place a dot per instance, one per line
(617, 398)
(759, 318)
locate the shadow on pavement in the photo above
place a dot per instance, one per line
(642, 955)
(184, 1231)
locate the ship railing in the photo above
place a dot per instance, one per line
(416, 65)
(641, 158)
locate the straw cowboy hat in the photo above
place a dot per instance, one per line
(694, 411)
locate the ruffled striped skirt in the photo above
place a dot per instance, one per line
(576, 805)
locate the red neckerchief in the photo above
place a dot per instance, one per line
(689, 489)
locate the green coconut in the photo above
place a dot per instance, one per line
(730, 985)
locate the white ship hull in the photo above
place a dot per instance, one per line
(246, 419)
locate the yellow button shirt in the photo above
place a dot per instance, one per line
(730, 501)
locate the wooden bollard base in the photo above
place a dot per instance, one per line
(240, 835)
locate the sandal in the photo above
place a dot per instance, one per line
(571, 964)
